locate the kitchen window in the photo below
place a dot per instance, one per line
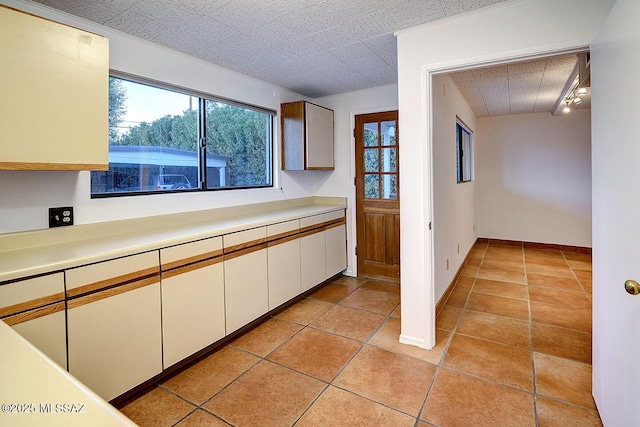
(167, 139)
(464, 153)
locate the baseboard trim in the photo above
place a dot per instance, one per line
(417, 342)
(447, 293)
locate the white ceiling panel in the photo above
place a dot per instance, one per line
(348, 11)
(96, 11)
(330, 38)
(456, 7)
(526, 67)
(490, 72)
(417, 13)
(523, 87)
(384, 47)
(373, 24)
(232, 32)
(309, 20)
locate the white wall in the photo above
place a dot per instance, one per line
(518, 29)
(26, 196)
(454, 210)
(533, 177)
(340, 183)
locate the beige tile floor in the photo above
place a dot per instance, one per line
(513, 349)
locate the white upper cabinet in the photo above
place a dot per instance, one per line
(54, 107)
(306, 136)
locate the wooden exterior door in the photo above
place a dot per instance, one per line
(377, 197)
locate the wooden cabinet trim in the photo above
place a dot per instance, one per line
(191, 260)
(283, 239)
(238, 253)
(244, 246)
(191, 267)
(103, 284)
(335, 223)
(312, 228)
(31, 304)
(291, 233)
(43, 166)
(116, 290)
(35, 313)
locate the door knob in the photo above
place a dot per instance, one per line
(632, 287)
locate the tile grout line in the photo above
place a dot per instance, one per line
(532, 348)
(446, 348)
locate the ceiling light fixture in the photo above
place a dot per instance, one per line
(567, 109)
(582, 91)
(577, 100)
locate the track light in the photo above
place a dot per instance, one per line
(582, 91)
(577, 100)
(567, 109)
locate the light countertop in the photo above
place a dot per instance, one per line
(127, 240)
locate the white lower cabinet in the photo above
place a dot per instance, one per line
(246, 290)
(336, 241)
(114, 328)
(312, 251)
(192, 299)
(35, 309)
(283, 255)
(129, 318)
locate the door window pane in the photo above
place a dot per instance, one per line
(388, 133)
(388, 160)
(371, 134)
(371, 186)
(371, 160)
(389, 188)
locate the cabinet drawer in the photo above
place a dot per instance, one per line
(35, 308)
(31, 293)
(283, 232)
(244, 239)
(310, 222)
(188, 253)
(333, 216)
(102, 275)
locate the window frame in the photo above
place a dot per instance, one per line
(464, 162)
(202, 98)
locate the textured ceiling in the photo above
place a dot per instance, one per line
(312, 47)
(519, 87)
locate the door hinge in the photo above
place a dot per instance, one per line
(429, 225)
(354, 132)
(356, 251)
(354, 181)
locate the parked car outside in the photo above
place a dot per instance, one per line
(172, 182)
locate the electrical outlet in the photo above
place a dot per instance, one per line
(59, 217)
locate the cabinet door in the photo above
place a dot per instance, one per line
(319, 137)
(192, 299)
(114, 323)
(283, 256)
(336, 241)
(35, 309)
(55, 95)
(312, 251)
(245, 277)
